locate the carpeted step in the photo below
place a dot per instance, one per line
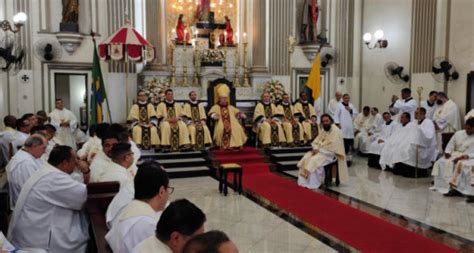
(286, 156)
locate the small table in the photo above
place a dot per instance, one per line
(224, 169)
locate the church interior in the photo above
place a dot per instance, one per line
(236, 126)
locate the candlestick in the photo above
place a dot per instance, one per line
(236, 70)
(196, 67)
(173, 68)
(185, 66)
(246, 70)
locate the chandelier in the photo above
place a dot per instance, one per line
(11, 52)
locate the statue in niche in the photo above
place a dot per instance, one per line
(180, 30)
(203, 10)
(69, 22)
(308, 32)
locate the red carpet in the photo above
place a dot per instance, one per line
(360, 230)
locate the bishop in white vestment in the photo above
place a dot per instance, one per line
(65, 123)
(459, 148)
(328, 147)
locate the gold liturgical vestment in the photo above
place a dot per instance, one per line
(198, 130)
(228, 132)
(293, 129)
(173, 135)
(331, 141)
(306, 111)
(268, 133)
(145, 113)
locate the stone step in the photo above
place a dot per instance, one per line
(183, 162)
(287, 150)
(287, 156)
(173, 155)
(179, 172)
(287, 165)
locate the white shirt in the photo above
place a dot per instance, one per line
(19, 140)
(430, 109)
(447, 117)
(332, 106)
(92, 146)
(115, 172)
(405, 105)
(48, 213)
(461, 142)
(386, 131)
(19, 170)
(152, 244)
(118, 203)
(99, 162)
(344, 118)
(137, 222)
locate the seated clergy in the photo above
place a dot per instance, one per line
(459, 149)
(377, 140)
(195, 118)
(23, 127)
(48, 212)
(392, 143)
(119, 168)
(328, 147)
(94, 144)
(363, 122)
(137, 221)
(307, 115)
(103, 158)
(142, 118)
(24, 164)
(266, 123)
(293, 129)
(416, 149)
(228, 132)
(211, 241)
(174, 133)
(470, 114)
(7, 136)
(179, 222)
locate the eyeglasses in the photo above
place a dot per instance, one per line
(170, 189)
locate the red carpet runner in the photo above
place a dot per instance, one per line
(349, 225)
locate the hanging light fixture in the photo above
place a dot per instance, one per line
(11, 53)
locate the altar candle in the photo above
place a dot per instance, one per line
(236, 37)
(245, 37)
(185, 38)
(225, 38)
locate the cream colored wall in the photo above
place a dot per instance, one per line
(461, 48)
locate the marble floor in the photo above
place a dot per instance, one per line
(408, 197)
(252, 227)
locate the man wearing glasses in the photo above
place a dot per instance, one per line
(137, 221)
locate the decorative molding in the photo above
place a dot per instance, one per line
(70, 41)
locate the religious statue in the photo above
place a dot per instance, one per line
(229, 30)
(180, 29)
(70, 11)
(309, 22)
(203, 10)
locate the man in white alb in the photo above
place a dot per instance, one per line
(137, 221)
(333, 103)
(431, 104)
(24, 164)
(345, 113)
(103, 158)
(459, 148)
(119, 168)
(391, 145)
(48, 212)
(405, 104)
(363, 122)
(377, 140)
(446, 118)
(65, 122)
(23, 127)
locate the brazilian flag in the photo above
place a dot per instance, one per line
(98, 94)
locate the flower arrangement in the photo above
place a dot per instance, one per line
(212, 56)
(156, 87)
(275, 88)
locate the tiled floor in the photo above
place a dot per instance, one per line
(409, 197)
(250, 226)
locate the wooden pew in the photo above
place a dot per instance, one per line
(99, 197)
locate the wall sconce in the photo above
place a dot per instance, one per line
(10, 52)
(378, 36)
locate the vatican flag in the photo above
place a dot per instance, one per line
(313, 84)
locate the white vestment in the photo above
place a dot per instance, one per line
(99, 162)
(5, 245)
(152, 244)
(90, 148)
(64, 134)
(51, 144)
(344, 118)
(403, 146)
(460, 144)
(115, 172)
(332, 107)
(6, 138)
(118, 203)
(430, 108)
(137, 222)
(447, 117)
(19, 170)
(19, 140)
(386, 131)
(470, 114)
(363, 124)
(48, 213)
(400, 106)
(136, 152)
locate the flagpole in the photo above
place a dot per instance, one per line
(106, 99)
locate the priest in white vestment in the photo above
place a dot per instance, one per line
(328, 147)
(446, 118)
(174, 228)
(48, 214)
(416, 150)
(459, 148)
(431, 104)
(363, 122)
(120, 167)
(345, 113)
(392, 143)
(138, 219)
(94, 144)
(7, 136)
(333, 103)
(405, 104)
(470, 114)
(65, 123)
(24, 164)
(103, 158)
(23, 127)
(377, 140)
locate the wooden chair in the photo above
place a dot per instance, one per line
(224, 169)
